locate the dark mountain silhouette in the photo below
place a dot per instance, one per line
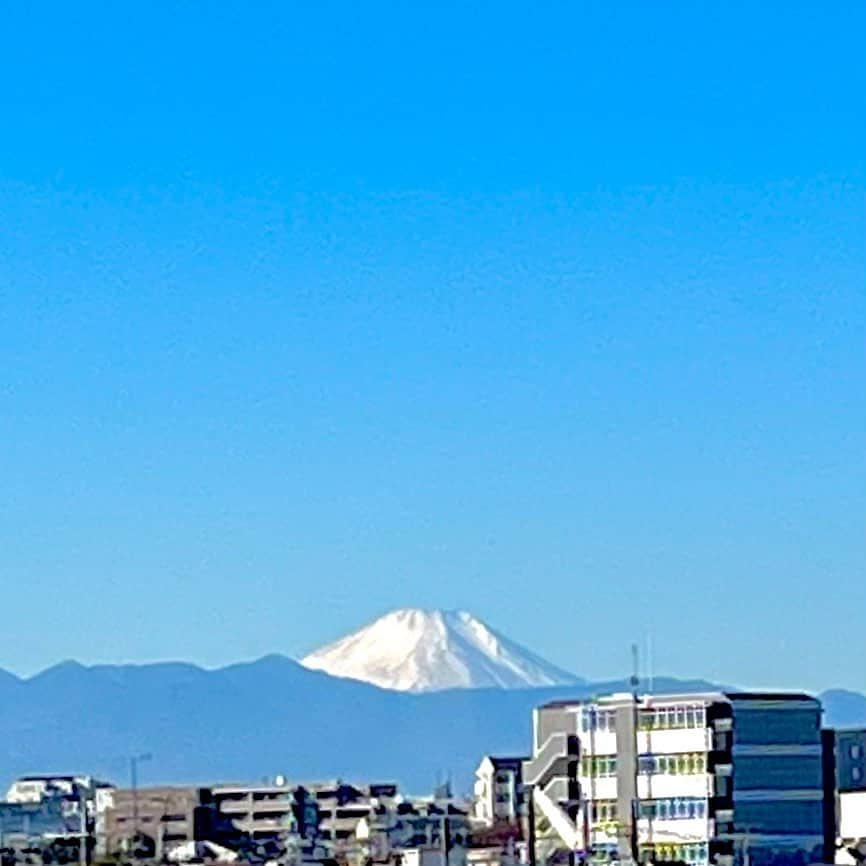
(844, 709)
(270, 716)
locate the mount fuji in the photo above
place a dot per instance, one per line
(412, 650)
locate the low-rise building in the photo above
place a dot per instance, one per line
(35, 789)
(258, 813)
(341, 806)
(56, 810)
(152, 821)
(498, 794)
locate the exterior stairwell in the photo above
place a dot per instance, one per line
(552, 776)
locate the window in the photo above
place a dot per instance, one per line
(666, 718)
(689, 763)
(603, 811)
(592, 719)
(674, 809)
(855, 752)
(780, 816)
(788, 727)
(781, 772)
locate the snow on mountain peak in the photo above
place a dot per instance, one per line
(430, 650)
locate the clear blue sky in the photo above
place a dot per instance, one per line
(551, 311)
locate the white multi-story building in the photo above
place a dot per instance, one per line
(498, 791)
(35, 789)
(691, 778)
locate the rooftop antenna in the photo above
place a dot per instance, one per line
(649, 662)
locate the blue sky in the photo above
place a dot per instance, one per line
(553, 312)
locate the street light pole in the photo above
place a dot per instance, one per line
(133, 774)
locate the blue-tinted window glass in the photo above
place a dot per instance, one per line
(779, 816)
(782, 772)
(762, 726)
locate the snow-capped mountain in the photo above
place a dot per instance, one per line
(422, 651)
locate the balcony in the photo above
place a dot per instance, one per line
(662, 786)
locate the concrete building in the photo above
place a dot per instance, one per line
(342, 806)
(498, 795)
(418, 824)
(153, 821)
(47, 819)
(702, 778)
(260, 813)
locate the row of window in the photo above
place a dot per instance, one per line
(673, 808)
(791, 727)
(653, 719)
(603, 811)
(592, 719)
(783, 772)
(666, 718)
(695, 853)
(686, 764)
(781, 816)
(598, 765)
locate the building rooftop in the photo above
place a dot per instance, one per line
(771, 696)
(619, 698)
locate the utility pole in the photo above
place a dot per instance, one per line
(635, 816)
(133, 779)
(530, 826)
(444, 842)
(84, 836)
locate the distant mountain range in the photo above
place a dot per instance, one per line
(252, 720)
(431, 650)
(270, 716)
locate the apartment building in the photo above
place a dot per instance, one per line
(35, 789)
(152, 821)
(341, 806)
(52, 809)
(421, 823)
(498, 795)
(261, 815)
(702, 778)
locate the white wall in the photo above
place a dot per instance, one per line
(852, 815)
